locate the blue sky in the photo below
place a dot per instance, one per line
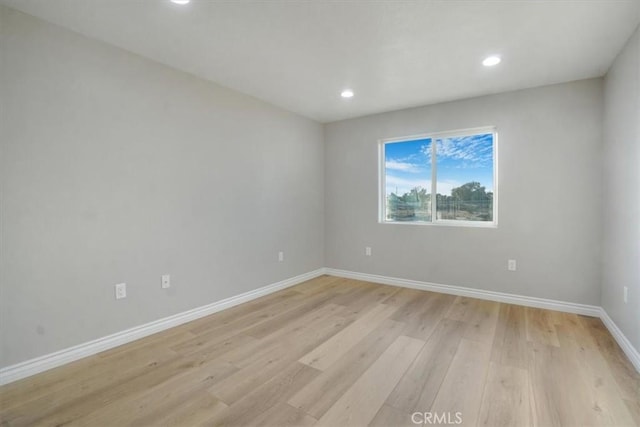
(460, 160)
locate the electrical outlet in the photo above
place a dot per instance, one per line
(367, 251)
(511, 265)
(121, 290)
(280, 256)
(625, 294)
(166, 281)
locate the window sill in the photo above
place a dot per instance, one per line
(444, 223)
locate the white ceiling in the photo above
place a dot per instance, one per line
(299, 55)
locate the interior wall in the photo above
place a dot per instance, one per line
(549, 196)
(621, 203)
(114, 168)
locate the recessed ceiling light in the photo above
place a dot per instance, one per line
(180, 1)
(490, 61)
(347, 93)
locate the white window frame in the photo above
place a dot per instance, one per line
(382, 196)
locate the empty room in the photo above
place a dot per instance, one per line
(319, 213)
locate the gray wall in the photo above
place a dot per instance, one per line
(549, 196)
(115, 169)
(621, 218)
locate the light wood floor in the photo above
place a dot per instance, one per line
(337, 352)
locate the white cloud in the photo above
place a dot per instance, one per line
(426, 151)
(403, 166)
(475, 152)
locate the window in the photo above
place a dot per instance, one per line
(458, 167)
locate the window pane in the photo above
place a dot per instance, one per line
(465, 178)
(408, 180)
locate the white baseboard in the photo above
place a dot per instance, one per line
(568, 307)
(623, 342)
(40, 364)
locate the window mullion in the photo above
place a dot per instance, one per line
(434, 175)
(382, 205)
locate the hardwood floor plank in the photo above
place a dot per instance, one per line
(506, 401)
(278, 389)
(389, 416)
(304, 326)
(193, 412)
(549, 389)
(420, 384)
(321, 393)
(269, 364)
(284, 415)
(514, 348)
(149, 406)
(327, 353)
(627, 378)
(468, 372)
(212, 345)
(96, 379)
(601, 402)
(481, 317)
(66, 383)
(481, 321)
(422, 322)
(510, 343)
(501, 329)
(232, 314)
(567, 319)
(276, 323)
(322, 284)
(402, 297)
(459, 308)
(359, 405)
(540, 327)
(414, 302)
(363, 301)
(356, 290)
(148, 345)
(111, 392)
(634, 409)
(62, 384)
(225, 328)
